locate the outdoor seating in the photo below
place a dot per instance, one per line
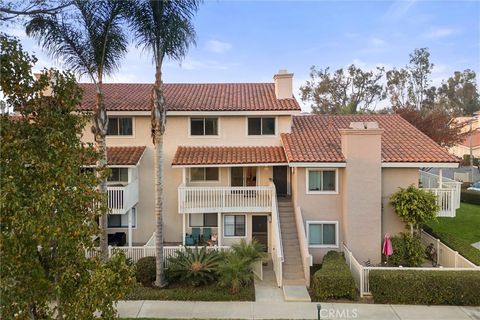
(196, 235)
(189, 240)
(207, 234)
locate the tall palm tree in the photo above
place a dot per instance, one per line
(89, 39)
(164, 28)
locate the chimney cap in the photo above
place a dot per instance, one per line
(364, 125)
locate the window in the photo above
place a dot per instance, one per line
(203, 220)
(322, 181)
(234, 226)
(120, 126)
(261, 126)
(203, 126)
(118, 175)
(204, 174)
(322, 233)
(121, 220)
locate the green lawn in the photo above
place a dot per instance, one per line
(188, 293)
(460, 232)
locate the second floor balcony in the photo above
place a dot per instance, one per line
(122, 198)
(224, 199)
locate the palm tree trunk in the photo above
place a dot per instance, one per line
(100, 132)
(158, 128)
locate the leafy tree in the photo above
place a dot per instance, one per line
(407, 87)
(343, 91)
(165, 29)
(13, 10)
(90, 40)
(49, 206)
(459, 93)
(414, 206)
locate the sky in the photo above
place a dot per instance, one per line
(249, 41)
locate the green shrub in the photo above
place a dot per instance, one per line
(470, 196)
(407, 251)
(146, 271)
(334, 280)
(425, 287)
(194, 266)
(253, 251)
(235, 271)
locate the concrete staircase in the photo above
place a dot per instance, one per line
(294, 287)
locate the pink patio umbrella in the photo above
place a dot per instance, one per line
(387, 249)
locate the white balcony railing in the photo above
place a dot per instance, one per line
(122, 198)
(224, 199)
(447, 192)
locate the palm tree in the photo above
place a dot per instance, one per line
(89, 39)
(164, 28)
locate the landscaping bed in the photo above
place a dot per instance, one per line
(460, 232)
(180, 292)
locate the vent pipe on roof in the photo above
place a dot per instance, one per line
(283, 84)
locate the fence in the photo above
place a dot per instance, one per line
(361, 274)
(136, 253)
(446, 190)
(277, 248)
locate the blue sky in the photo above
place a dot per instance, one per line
(248, 41)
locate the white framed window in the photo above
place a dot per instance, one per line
(121, 220)
(118, 175)
(322, 234)
(261, 126)
(204, 174)
(322, 181)
(120, 126)
(234, 225)
(203, 220)
(203, 126)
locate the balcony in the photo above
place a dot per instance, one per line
(446, 190)
(224, 199)
(122, 198)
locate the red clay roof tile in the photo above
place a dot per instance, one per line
(228, 155)
(316, 138)
(190, 97)
(124, 156)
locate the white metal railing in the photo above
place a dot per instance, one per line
(448, 192)
(277, 248)
(307, 259)
(229, 199)
(361, 274)
(136, 253)
(123, 198)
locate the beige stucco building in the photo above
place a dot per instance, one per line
(241, 162)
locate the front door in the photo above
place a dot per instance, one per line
(280, 179)
(260, 230)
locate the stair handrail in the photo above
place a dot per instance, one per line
(307, 259)
(277, 254)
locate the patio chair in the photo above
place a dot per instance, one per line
(189, 240)
(196, 235)
(207, 234)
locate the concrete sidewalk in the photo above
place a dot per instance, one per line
(290, 310)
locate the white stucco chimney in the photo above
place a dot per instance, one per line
(283, 84)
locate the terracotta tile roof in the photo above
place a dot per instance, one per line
(228, 155)
(316, 138)
(190, 97)
(123, 156)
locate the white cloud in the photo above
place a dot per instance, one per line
(217, 46)
(437, 33)
(398, 9)
(377, 42)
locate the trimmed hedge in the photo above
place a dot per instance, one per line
(425, 287)
(334, 280)
(470, 196)
(145, 272)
